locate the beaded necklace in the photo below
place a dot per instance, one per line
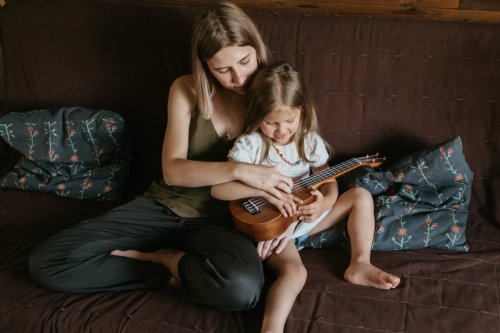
(280, 154)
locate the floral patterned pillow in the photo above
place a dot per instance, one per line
(72, 151)
(420, 201)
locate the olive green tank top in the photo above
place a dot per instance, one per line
(204, 145)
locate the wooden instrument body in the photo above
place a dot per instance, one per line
(268, 223)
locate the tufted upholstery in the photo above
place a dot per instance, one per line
(380, 85)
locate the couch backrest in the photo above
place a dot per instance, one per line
(380, 85)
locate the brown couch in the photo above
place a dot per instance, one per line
(380, 85)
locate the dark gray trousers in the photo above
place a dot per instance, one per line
(221, 269)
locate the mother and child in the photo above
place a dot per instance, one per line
(177, 233)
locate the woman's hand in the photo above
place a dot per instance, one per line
(266, 248)
(277, 188)
(287, 205)
(266, 178)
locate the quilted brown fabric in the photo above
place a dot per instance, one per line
(391, 86)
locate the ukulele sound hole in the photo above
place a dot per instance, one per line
(251, 207)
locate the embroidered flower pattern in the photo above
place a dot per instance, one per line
(72, 152)
(7, 133)
(428, 227)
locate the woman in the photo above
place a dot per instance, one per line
(200, 250)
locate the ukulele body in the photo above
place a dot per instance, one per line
(268, 223)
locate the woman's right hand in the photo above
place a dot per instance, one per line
(287, 205)
(266, 178)
(277, 188)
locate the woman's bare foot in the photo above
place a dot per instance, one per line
(174, 282)
(162, 256)
(166, 257)
(366, 274)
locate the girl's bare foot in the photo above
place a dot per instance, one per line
(366, 274)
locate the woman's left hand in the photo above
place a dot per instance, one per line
(266, 248)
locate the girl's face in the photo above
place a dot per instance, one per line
(233, 67)
(281, 124)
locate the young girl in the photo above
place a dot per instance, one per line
(177, 232)
(281, 130)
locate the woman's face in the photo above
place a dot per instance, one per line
(281, 124)
(234, 67)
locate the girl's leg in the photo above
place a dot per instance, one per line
(357, 204)
(291, 276)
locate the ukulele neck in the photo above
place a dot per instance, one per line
(316, 180)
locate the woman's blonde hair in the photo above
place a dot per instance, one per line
(225, 25)
(276, 86)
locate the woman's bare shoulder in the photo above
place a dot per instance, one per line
(184, 83)
(182, 94)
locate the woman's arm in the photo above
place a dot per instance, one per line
(235, 190)
(178, 170)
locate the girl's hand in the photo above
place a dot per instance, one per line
(266, 248)
(312, 211)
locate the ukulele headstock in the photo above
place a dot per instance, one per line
(372, 161)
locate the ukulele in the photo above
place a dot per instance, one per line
(261, 220)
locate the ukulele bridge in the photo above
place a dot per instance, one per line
(251, 207)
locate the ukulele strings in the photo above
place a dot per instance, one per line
(311, 180)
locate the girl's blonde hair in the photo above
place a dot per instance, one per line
(225, 25)
(276, 86)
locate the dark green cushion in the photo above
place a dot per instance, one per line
(72, 151)
(420, 201)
